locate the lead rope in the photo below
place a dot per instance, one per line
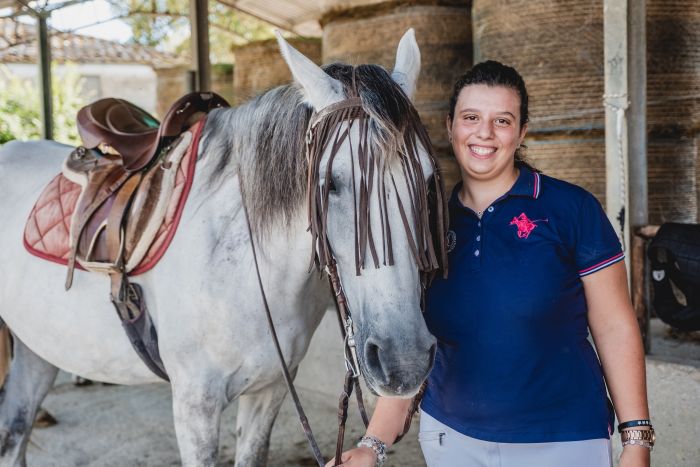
(285, 371)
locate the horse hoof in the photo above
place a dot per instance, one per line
(44, 419)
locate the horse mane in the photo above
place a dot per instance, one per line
(266, 136)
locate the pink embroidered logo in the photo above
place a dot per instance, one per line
(525, 226)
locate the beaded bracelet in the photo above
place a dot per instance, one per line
(376, 445)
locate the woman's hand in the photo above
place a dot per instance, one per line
(635, 456)
(358, 457)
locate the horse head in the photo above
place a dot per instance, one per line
(371, 212)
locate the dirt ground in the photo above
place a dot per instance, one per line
(132, 426)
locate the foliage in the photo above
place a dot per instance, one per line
(20, 106)
(165, 24)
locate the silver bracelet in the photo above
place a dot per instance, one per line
(376, 445)
(639, 442)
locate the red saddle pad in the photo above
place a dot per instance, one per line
(47, 231)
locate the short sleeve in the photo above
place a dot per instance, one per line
(596, 243)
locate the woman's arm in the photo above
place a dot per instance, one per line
(386, 424)
(615, 332)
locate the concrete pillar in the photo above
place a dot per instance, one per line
(259, 66)
(369, 32)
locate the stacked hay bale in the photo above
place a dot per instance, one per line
(673, 110)
(369, 32)
(557, 45)
(259, 66)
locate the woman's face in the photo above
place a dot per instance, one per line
(486, 130)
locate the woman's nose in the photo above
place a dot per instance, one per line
(485, 129)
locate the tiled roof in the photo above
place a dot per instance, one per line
(18, 45)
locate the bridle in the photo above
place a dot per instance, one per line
(324, 130)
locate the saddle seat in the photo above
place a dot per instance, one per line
(118, 127)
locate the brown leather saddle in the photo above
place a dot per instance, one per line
(126, 167)
(118, 127)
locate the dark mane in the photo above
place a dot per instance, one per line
(266, 136)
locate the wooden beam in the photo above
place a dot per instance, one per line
(638, 192)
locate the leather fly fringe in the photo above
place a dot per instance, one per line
(426, 203)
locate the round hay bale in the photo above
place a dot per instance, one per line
(673, 66)
(259, 66)
(370, 34)
(557, 46)
(576, 159)
(673, 179)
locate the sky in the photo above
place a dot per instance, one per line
(82, 14)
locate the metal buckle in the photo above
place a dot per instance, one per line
(351, 363)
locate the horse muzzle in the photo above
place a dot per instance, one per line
(390, 369)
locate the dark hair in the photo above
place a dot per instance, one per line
(493, 73)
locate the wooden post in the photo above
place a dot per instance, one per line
(638, 199)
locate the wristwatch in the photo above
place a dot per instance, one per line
(645, 438)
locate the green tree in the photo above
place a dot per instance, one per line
(20, 104)
(165, 24)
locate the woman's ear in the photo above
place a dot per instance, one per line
(523, 131)
(448, 123)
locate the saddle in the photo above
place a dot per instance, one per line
(120, 128)
(675, 262)
(127, 169)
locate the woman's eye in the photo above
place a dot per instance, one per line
(471, 118)
(502, 121)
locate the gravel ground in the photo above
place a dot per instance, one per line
(132, 426)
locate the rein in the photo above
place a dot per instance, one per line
(319, 137)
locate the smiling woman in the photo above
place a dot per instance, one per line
(534, 267)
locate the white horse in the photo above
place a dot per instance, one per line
(203, 295)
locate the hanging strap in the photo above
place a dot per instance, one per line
(285, 371)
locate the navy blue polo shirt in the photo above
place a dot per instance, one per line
(513, 362)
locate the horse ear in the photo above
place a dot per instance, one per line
(407, 64)
(320, 90)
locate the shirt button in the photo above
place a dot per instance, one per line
(478, 224)
(478, 238)
(490, 209)
(476, 253)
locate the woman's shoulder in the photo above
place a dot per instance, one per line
(562, 191)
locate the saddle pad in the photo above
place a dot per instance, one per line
(47, 232)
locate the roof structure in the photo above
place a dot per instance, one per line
(18, 44)
(299, 16)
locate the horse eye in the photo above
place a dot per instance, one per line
(331, 184)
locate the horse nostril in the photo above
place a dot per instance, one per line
(374, 362)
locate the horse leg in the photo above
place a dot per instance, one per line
(26, 385)
(256, 414)
(197, 407)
